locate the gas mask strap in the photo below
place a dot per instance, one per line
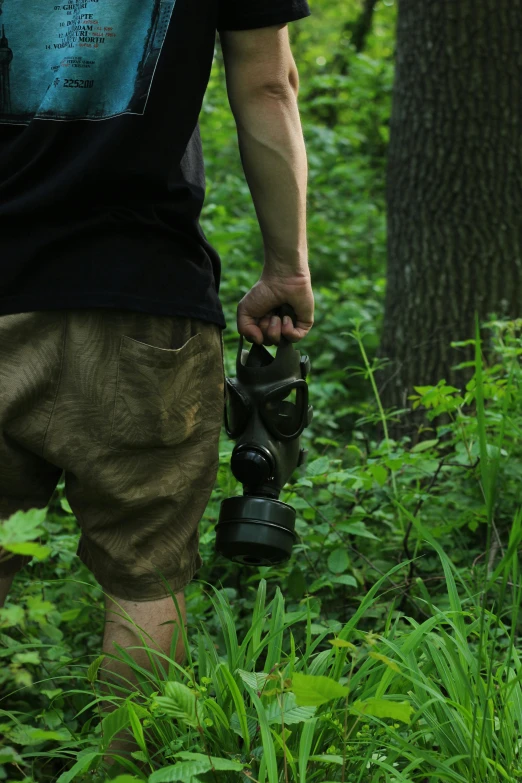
(285, 347)
(259, 353)
(256, 357)
(239, 353)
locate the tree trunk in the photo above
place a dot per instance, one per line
(454, 189)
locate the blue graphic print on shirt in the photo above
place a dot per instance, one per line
(79, 59)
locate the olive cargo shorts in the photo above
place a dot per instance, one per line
(130, 406)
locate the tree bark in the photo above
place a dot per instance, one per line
(454, 189)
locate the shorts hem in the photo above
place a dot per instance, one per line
(147, 590)
(14, 565)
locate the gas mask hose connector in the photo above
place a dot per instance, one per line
(251, 466)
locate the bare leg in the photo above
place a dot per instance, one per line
(148, 615)
(5, 585)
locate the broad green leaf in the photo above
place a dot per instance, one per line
(140, 711)
(71, 614)
(379, 473)
(26, 735)
(312, 691)
(221, 765)
(52, 692)
(29, 548)
(139, 755)
(11, 615)
(344, 579)
(251, 723)
(394, 463)
(424, 445)
(357, 529)
(39, 609)
(256, 680)
(338, 561)
(336, 476)
(329, 442)
(92, 671)
(114, 722)
(27, 657)
(8, 755)
(22, 526)
(318, 466)
(384, 708)
(184, 771)
(125, 779)
(290, 711)
(196, 764)
(180, 702)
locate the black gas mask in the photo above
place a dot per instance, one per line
(266, 411)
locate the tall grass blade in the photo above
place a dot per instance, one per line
(269, 751)
(305, 744)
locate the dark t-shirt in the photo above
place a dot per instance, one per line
(101, 169)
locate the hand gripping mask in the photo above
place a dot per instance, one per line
(266, 411)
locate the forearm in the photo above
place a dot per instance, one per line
(274, 159)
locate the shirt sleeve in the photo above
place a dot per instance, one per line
(252, 14)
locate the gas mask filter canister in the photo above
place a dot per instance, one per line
(266, 411)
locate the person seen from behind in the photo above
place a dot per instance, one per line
(111, 347)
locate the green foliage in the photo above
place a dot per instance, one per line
(305, 684)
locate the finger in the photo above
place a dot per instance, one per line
(294, 333)
(252, 338)
(248, 327)
(274, 330)
(267, 340)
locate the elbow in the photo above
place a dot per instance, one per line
(283, 88)
(293, 78)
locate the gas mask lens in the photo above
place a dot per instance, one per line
(237, 410)
(284, 410)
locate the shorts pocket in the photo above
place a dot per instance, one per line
(158, 394)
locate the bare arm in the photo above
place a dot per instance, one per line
(263, 85)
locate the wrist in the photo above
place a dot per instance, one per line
(291, 264)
